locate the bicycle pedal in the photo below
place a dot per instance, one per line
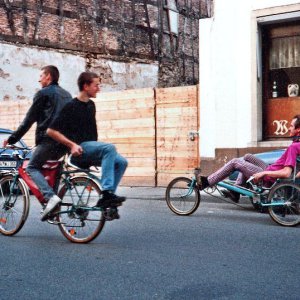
(53, 222)
(111, 213)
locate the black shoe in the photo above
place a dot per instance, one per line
(110, 199)
(234, 196)
(202, 181)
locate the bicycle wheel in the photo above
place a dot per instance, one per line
(77, 219)
(181, 198)
(14, 204)
(287, 196)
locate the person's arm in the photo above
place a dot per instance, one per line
(75, 149)
(283, 173)
(29, 119)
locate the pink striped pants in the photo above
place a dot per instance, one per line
(247, 166)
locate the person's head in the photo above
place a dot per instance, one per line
(294, 128)
(89, 83)
(49, 74)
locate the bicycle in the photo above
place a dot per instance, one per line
(282, 199)
(76, 216)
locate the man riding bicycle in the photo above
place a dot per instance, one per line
(47, 103)
(250, 165)
(76, 128)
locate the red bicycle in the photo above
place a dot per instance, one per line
(77, 217)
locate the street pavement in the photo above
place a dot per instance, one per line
(220, 252)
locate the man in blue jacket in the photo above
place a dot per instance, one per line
(47, 104)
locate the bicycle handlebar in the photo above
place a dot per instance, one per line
(250, 179)
(15, 147)
(26, 150)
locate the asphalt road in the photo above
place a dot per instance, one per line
(220, 252)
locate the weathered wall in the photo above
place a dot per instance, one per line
(20, 67)
(134, 32)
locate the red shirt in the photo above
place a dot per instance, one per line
(287, 159)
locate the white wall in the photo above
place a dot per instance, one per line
(20, 67)
(226, 75)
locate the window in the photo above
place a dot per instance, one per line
(283, 55)
(171, 7)
(281, 76)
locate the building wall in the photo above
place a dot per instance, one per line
(128, 42)
(230, 115)
(20, 66)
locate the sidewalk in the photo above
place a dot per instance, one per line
(143, 193)
(158, 193)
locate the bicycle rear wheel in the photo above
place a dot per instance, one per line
(181, 198)
(287, 196)
(78, 221)
(14, 204)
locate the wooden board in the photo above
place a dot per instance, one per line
(127, 119)
(12, 114)
(176, 115)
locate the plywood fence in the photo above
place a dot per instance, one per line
(127, 119)
(176, 116)
(12, 114)
(148, 126)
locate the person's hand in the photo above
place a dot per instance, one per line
(5, 143)
(258, 176)
(76, 150)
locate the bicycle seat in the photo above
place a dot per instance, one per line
(51, 164)
(78, 165)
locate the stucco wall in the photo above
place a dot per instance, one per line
(20, 67)
(227, 97)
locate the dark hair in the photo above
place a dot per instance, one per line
(297, 123)
(53, 71)
(86, 78)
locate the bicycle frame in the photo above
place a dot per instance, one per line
(66, 178)
(259, 194)
(250, 193)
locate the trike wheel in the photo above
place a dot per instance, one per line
(14, 204)
(78, 219)
(181, 197)
(285, 204)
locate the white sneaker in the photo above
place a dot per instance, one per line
(52, 203)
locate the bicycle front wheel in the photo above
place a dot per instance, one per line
(181, 197)
(14, 204)
(78, 220)
(285, 204)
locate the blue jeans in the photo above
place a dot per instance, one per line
(105, 155)
(41, 154)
